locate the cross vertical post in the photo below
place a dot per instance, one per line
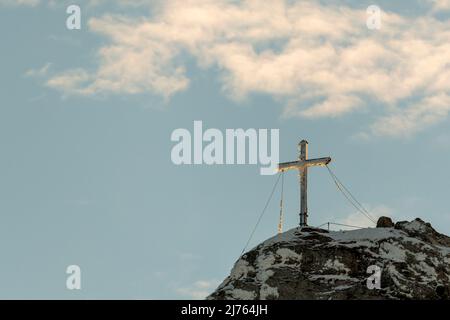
(303, 179)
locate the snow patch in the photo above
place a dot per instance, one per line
(343, 287)
(268, 292)
(288, 254)
(336, 265)
(241, 269)
(371, 234)
(264, 263)
(415, 226)
(240, 294)
(429, 271)
(332, 277)
(394, 252)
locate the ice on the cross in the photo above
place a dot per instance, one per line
(302, 165)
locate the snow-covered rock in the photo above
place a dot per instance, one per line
(312, 263)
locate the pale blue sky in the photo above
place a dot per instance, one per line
(85, 171)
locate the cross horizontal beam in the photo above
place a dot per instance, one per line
(300, 164)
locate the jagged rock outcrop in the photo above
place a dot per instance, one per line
(385, 222)
(311, 263)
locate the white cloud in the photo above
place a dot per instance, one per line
(427, 112)
(199, 290)
(359, 220)
(321, 60)
(54, 3)
(132, 3)
(41, 72)
(71, 81)
(31, 3)
(440, 5)
(332, 106)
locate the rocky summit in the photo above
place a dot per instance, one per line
(412, 259)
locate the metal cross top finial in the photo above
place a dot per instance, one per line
(302, 165)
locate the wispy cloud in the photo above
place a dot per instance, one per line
(90, 3)
(321, 60)
(31, 3)
(376, 211)
(430, 110)
(440, 5)
(39, 72)
(359, 220)
(199, 290)
(71, 81)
